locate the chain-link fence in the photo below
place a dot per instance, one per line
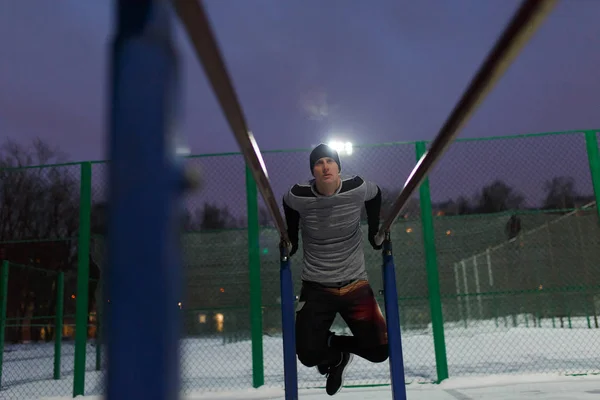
(515, 238)
(524, 257)
(40, 236)
(215, 306)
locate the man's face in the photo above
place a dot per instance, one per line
(326, 170)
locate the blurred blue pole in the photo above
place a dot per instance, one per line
(146, 183)
(392, 314)
(290, 370)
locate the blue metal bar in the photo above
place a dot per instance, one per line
(392, 315)
(290, 369)
(143, 272)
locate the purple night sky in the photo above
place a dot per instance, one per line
(372, 71)
(305, 71)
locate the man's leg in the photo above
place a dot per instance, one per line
(315, 314)
(357, 305)
(360, 311)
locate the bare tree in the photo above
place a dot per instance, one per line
(560, 193)
(214, 217)
(498, 197)
(461, 206)
(39, 218)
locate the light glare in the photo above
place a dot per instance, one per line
(341, 147)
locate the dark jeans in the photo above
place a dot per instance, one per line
(356, 303)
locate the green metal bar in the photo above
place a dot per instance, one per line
(38, 318)
(31, 325)
(533, 292)
(433, 281)
(83, 276)
(32, 268)
(58, 324)
(37, 240)
(357, 146)
(3, 304)
(570, 322)
(587, 312)
(518, 136)
(591, 144)
(256, 323)
(40, 166)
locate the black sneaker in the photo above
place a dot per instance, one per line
(335, 377)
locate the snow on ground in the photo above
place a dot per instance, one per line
(478, 356)
(522, 387)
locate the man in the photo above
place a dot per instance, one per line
(334, 279)
(513, 227)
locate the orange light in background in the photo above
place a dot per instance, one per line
(219, 318)
(408, 230)
(448, 232)
(72, 296)
(222, 290)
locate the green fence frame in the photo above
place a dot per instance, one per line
(435, 299)
(433, 280)
(58, 317)
(256, 306)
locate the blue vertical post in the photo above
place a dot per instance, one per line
(290, 370)
(143, 272)
(392, 316)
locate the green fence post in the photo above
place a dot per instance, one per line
(58, 322)
(83, 275)
(3, 304)
(258, 373)
(433, 281)
(591, 144)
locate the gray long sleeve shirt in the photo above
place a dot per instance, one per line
(332, 239)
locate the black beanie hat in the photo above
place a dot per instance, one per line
(321, 151)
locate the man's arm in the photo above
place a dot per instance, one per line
(292, 219)
(373, 207)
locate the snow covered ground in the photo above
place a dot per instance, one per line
(523, 387)
(519, 361)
